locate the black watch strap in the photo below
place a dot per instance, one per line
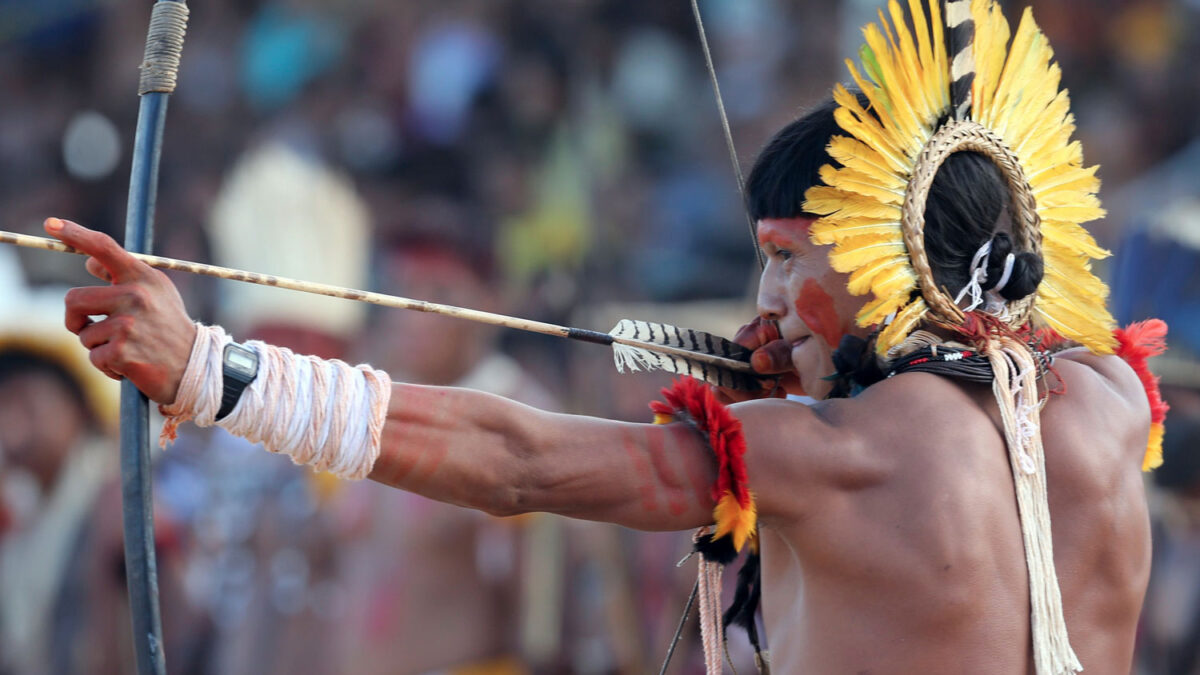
(239, 367)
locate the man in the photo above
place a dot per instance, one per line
(413, 567)
(893, 509)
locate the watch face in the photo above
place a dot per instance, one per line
(241, 360)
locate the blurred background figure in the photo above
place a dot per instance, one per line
(59, 584)
(576, 146)
(432, 587)
(263, 567)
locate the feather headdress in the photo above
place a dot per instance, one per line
(999, 95)
(1004, 99)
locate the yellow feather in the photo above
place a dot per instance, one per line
(731, 518)
(1084, 320)
(1066, 178)
(1074, 272)
(991, 42)
(855, 252)
(1060, 198)
(890, 129)
(1095, 341)
(877, 310)
(896, 105)
(1058, 125)
(856, 156)
(860, 280)
(1026, 116)
(1154, 452)
(821, 199)
(1051, 156)
(901, 280)
(830, 231)
(858, 183)
(855, 120)
(853, 154)
(904, 323)
(1064, 238)
(1009, 82)
(1079, 285)
(942, 67)
(1074, 214)
(910, 64)
(917, 11)
(907, 66)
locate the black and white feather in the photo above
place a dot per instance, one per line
(687, 356)
(960, 38)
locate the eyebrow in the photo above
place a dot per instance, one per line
(772, 235)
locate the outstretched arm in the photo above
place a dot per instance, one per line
(486, 452)
(455, 445)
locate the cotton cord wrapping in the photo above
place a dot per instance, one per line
(1015, 388)
(164, 44)
(324, 413)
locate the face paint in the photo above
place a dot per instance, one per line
(815, 307)
(785, 233)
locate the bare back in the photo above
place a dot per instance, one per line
(912, 560)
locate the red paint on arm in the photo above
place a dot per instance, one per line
(641, 471)
(412, 439)
(434, 442)
(815, 308)
(669, 478)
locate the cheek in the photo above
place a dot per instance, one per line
(816, 308)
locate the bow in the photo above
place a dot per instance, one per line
(164, 42)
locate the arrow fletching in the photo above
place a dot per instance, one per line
(633, 357)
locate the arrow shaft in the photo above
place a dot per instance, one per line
(384, 300)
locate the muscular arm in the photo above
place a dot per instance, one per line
(475, 449)
(486, 452)
(490, 453)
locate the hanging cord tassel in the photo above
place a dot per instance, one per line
(712, 632)
(1015, 388)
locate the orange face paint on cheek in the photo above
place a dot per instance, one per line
(815, 308)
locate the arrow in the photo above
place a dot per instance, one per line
(637, 345)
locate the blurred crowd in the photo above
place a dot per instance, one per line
(559, 160)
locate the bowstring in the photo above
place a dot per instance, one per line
(733, 157)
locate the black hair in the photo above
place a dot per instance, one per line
(790, 163)
(962, 213)
(965, 202)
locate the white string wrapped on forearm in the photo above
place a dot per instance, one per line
(323, 413)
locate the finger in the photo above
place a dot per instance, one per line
(97, 270)
(88, 301)
(120, 265)
(102, 332)
(756, 333)
(104, 359)
(773, 357)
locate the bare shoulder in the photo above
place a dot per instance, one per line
(798, 453)
(1080, 366)
(1103, 399)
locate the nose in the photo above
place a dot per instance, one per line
(771, 306)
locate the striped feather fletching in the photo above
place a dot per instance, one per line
(634, 358)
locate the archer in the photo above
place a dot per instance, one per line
(891, 502)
